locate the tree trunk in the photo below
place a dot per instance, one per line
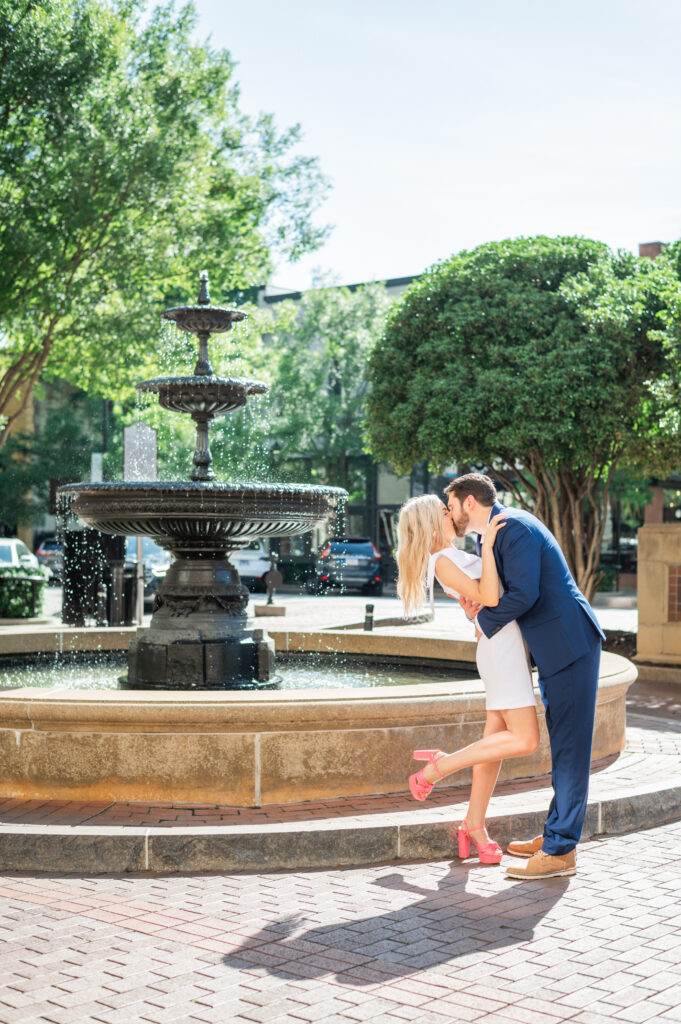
(16, 385)
(572, 504)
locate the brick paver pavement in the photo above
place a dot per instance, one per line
(429, 943)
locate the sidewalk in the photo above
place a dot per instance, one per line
(437, 943)
(441, 942)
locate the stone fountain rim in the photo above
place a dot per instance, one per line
(203, 381)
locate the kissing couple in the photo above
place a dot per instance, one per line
(521, 596)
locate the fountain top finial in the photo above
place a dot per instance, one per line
(204, 290)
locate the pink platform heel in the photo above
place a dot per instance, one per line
(418, 784)
(489, 853)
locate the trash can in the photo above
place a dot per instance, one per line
(121, 583)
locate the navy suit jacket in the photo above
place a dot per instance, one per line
(555, 618)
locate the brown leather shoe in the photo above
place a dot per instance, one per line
(545, 865)
(518, 848)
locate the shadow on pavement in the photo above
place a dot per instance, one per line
(445, 923)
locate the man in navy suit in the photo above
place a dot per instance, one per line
(564, 638)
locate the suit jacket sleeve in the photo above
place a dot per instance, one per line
(520, 559)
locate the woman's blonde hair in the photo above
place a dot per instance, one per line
(419, 529)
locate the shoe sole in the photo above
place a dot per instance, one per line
(525, 856)
(548, 874)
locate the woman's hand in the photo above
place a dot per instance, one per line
(495, 524)
(471, 608)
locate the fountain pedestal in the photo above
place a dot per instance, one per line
(198, 637)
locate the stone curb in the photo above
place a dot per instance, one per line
(666, 675)
(85, 850)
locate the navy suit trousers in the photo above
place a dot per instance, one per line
(569, 697)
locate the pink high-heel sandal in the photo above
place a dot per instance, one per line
(418, 783)
(488, 853)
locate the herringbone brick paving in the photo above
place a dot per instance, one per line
(428, 943)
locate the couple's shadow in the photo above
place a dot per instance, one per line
(446, 923)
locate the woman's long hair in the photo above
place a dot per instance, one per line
(420, 527)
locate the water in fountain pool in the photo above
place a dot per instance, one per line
(303, 672)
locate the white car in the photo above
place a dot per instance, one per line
(15, 553)
(252, 563)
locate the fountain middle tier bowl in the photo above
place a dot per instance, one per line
(203, 318)
(191, 517)
(204, 394)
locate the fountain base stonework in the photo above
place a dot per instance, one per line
(247, 749)
(198, 638)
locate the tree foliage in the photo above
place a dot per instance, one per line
(550, 360)
(61, 448)
(126, 166)
(321, 377)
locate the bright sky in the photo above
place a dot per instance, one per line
(444, 124)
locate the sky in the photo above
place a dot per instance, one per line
(445, 124)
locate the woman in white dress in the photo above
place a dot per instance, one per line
(425, 553)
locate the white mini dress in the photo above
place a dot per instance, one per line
(503, 660)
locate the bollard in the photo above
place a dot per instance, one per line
(102, 617)
(368, 617)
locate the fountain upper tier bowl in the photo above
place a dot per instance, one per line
(196, 517)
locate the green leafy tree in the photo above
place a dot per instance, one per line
(126, 166)
(550, 360)
(62, 448)
(321, 380)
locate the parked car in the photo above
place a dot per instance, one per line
(50, 555)
(348, 562)
(13, 552)
(252, 563)
(156, 560)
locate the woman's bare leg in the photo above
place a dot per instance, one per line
(484, 781)
(520, 736)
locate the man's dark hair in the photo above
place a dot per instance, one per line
(477, 484)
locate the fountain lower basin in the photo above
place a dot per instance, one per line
(247, 749)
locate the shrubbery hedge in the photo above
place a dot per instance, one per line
(21, 592)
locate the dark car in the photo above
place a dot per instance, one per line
(348, 562)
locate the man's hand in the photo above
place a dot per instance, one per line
(471, 608)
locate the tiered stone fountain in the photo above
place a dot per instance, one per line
(199, 637)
